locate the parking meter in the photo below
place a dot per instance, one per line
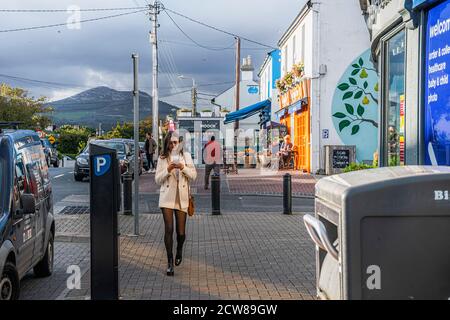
(104, 206)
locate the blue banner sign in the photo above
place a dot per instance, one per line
(437, 86)
(417, 3)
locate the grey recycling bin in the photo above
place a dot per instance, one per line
(383, 234)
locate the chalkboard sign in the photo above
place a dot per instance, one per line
(341, 158)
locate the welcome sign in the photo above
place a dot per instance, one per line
(437, 87)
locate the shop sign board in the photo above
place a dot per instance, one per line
(437, 87)
(338, 158)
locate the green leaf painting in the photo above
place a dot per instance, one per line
(355, 129)
(343, 124)
(349, 108)
(339, 115)
(356, 96)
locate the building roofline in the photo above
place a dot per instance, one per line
(303, 12)
(266, 61)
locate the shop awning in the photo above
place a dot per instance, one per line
(292, 108)
(247, 111)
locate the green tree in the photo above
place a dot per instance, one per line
(126, 130)
(72, 139)
(17, 106)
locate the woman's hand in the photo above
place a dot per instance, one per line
(180, 166)
(171, 167)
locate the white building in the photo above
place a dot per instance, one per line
(248, 95)
(331, 102)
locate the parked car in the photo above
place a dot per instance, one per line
(124, 155)
(27, 226)
(141, 156)
(51, 154)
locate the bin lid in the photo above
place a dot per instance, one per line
(332, 188)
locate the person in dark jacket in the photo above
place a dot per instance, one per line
(150, 148)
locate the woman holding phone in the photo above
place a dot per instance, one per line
(174, 173)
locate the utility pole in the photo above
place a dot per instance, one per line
(137, 148)
(154, 11)
(194, 100)
(237, 102)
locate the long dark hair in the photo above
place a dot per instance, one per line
(165, 151)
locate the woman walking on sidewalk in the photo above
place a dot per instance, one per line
(174, 173)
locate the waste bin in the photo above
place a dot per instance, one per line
(383, 234)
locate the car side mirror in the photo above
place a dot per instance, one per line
(28, 204)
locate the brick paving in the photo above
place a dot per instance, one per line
(270, 182)
(248, 181)
(232, 256)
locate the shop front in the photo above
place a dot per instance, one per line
(197, 132)
(411, 48)
(436, 82)
(395, 46)
(295, 115)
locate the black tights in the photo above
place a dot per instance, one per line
(180, 218)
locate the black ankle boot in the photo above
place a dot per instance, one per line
(179, 256)
(170, 271)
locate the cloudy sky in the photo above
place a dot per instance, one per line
(100, 52)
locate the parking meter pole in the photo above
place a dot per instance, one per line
(287, 194)
(104, 206)
(127, 193)
(215, 194)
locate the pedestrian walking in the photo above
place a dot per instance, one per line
(212, 157)
(150, 147)
(174, 173)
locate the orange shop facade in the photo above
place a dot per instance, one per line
(295, 115)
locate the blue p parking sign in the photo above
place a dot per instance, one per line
(101, 164)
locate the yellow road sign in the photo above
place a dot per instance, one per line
(52, 139)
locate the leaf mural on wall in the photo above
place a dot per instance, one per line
(356, 97)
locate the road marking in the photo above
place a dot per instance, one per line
(59, 176)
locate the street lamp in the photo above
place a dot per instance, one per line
(194, 93)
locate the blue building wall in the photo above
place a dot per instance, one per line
(276, 67)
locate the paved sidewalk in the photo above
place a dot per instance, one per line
(248, 181)
(233, 256)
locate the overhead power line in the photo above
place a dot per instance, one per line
(70, 23)
(65, 10)
(193, 45)
(218, 29)
(190, 38)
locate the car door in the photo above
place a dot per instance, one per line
(44, 203)
(35, 168)
(24, 226)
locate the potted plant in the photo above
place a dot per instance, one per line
(185, 112)
(289, 79)
(206, 113)
(298, 70)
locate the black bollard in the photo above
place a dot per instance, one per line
(215, 194)
(127, 193)
(287, 194)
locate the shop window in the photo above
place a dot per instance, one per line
(395, 100)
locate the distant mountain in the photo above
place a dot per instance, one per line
(104, 105)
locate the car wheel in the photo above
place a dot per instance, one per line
(56, 164)
(78, 177)
(9, 283)
(45, 267)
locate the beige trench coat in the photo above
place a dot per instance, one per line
(168, 182)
